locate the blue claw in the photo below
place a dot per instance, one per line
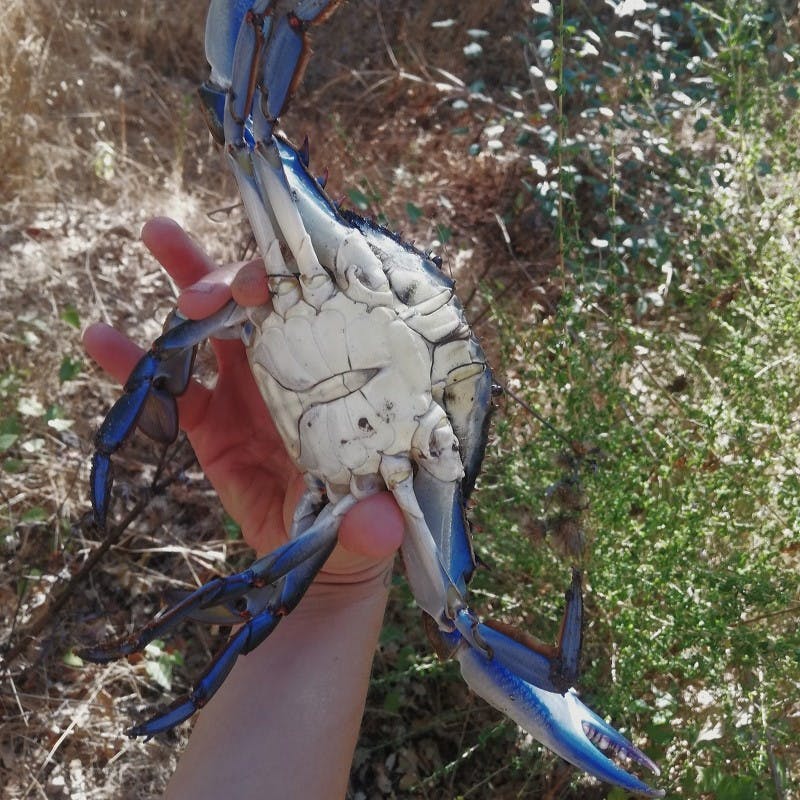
(530, 682)
(561, 722)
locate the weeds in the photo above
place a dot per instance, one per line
(673, 354)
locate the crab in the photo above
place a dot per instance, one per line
(375, 381)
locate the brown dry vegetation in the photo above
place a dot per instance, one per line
(99, 132)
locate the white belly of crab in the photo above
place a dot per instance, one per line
(347, 385)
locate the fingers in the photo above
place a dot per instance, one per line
(249, 287)
(209, 294)
(206, 288)
(373, 528)
(176, 251)
(245, 282)
(116, 354)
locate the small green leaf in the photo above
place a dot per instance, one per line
(392, 702)
(160, 671)
(71, 317)
(35, 514)
(358, 199)
(69, 369)
(392, 633)
(72, 660)
(6, 440)
(155, 648)
(413, 212)
(23, 583)
(443, 234)
(232, 530)
(10, 425)
(54, 412)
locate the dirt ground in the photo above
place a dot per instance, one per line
(101, 131)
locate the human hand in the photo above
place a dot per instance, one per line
(229, 426)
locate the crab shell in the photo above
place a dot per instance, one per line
(385, 366)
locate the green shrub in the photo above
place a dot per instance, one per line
(668, 375)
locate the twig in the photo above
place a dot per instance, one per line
(385, 38)
(112, 537)
(533, 412)
(770, 614)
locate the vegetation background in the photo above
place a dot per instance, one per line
(614, 184)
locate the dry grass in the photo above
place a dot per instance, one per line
(99, 132)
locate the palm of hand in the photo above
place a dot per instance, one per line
(229, 426)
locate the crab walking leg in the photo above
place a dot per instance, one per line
(287, 595)
(261, 186)
(283, 283)
(161, 375)
(355, 266)
(233, 610)
(315, 282)
(308, 506)
(237, 107)
(320, 538)
(432, 586)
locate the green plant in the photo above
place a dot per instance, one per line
(669, 372)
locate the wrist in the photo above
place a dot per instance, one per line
(345, 588)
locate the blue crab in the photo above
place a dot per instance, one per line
(375, 381)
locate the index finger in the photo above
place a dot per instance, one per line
(176, 251)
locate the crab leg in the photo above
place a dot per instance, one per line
(286, 596)
(293, 558)
(524, 679)
(161, 375)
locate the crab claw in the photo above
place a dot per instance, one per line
(561, 722)
(531, 683)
